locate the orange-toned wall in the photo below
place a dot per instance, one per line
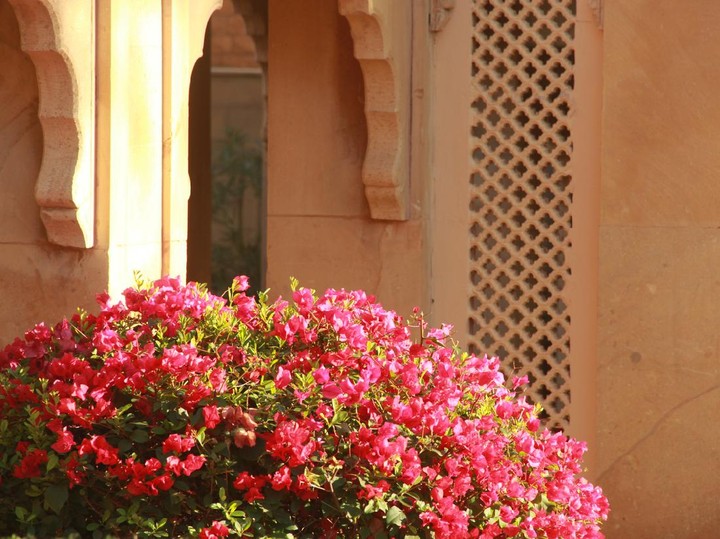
(38, 281)
(318, 224)
(93, 158)
(231, 45)
(658, 397)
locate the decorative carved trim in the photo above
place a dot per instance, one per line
(65, 188)
(255, 15)
(598, 12)
(440, 11)
(382, 40)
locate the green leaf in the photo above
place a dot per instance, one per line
(33, 491)
(200, 435)
(52, 462)
(20, 513)
(394, 516)
(124, 445)
(351, 510)
(140, 436)
(375, 505)
(55, 497)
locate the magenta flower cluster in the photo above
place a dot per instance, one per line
(175, 412)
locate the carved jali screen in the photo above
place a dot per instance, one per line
(521, 192)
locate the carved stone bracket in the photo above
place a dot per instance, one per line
(381, 31)
(58, 36)
(440, 11)
(597, 8)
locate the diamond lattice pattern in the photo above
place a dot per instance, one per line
(521, 192)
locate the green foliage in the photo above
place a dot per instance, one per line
(236, 187)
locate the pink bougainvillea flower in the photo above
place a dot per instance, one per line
(283, 378)
(325, 414)
(217, 530)
(211, 416)
(177, 443)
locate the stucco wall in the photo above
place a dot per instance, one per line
(659, 375)
(38, 281)
(319, 229)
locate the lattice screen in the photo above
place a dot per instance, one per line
(521, 192)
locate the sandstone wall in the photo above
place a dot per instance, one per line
(38, 281)
(658, 442)
(319, 229)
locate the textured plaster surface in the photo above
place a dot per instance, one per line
(316, 124)
(658, 394)
(382, 40)
(20, 136)
(44, 283)
(141, 129)
(38, 281)
(662, 148)
(334, 252)
(231, 45)
(63, 60)
(659, 380)
(319, 228)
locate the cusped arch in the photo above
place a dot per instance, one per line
(59, 41)
(381, 32)
(255, 15)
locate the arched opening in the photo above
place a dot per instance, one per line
(226, 227)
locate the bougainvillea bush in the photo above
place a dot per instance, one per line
(178, 413)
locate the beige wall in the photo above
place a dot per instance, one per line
(38, 281)
(55, 150)
(318, 224)
(659, 375)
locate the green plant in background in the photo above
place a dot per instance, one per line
(236, 199)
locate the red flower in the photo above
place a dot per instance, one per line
(292, 442)
(217, 530)
(177, 443)
(64, 443)
(193, 463)
(283, 378)
(281, 479)
(370, 492)
(184, 467)
(253, 484)
(29, 466)
(211, 416)
(104, 452)
(75, 476)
